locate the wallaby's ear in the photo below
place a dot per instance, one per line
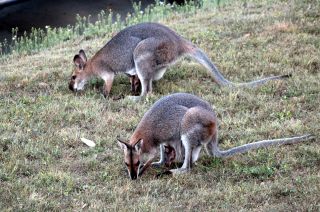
(123, 145)
(138, 145)
(78, 61)
(83, 55)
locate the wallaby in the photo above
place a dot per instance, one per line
(145, 49)
(135, 84)
(181, 119)
(169, 155)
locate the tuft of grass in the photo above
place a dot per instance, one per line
(107, 24)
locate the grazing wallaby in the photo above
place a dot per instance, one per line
(145, 49)
(182, 119)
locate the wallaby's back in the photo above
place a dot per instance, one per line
(162, 122)
(117, 54)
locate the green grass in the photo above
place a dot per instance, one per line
(106, 25)
(44, 165)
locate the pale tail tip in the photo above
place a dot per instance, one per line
(88, 142)
(307, 137)
(310, 136)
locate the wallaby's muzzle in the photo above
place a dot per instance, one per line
(71, 86)
(133, 177)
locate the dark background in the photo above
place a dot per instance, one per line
(26, 14)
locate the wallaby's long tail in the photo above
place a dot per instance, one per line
(202, 58)
(259, 144)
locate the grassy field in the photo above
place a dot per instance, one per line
(44, 165)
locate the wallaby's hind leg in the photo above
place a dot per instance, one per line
(108, 80)
(195, 153)
(187, 157)
(198, 127)
(146, 86)
(151, 57)
(145, 78)
(192, 152)
(159, 74)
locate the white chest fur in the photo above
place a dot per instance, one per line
(107, 76)
(131, 72)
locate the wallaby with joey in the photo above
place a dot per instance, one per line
(145, 50)
(184, 122)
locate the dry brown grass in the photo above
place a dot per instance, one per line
(44, 166)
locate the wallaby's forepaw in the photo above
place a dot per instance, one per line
(157, 164)
(142, 169)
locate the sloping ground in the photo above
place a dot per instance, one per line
(44, 166)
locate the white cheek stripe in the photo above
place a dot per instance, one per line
(75, 86)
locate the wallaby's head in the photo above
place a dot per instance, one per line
(169, 155)
(131, 157)
(79, 76)
(135, 83)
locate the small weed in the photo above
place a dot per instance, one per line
(260, 172)
(283, 115)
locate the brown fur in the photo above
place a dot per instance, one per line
(170, 155)
(135, 84)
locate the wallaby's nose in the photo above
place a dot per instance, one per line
(133, 177)
(71, 86)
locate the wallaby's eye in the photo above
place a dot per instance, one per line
(73, 77)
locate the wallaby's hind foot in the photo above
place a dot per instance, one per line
(157, 164)
(179, 171)
(135, 98)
